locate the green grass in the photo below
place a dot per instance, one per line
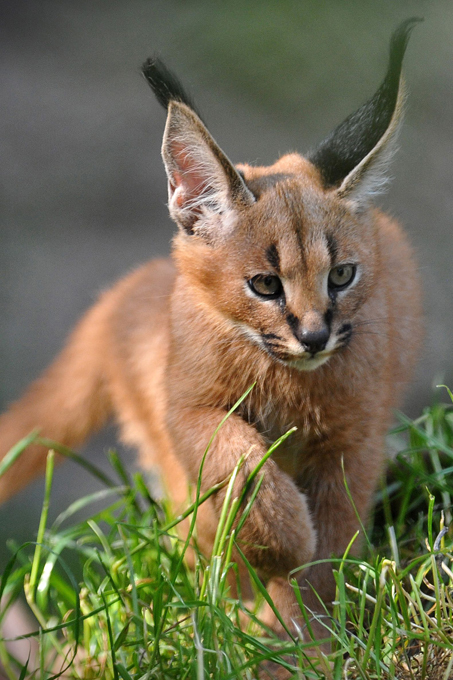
(138, 612)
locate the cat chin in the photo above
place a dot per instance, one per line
(308, 364)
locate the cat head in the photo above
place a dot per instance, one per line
(285, 254)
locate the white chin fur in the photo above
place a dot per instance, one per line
(310, 363)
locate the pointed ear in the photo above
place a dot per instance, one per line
(204, 187)
(355, 157)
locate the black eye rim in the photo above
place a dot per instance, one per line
(336, 287)
(266, 296)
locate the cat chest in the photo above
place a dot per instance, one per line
(295, 453)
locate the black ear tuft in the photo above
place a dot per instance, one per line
(359, 133)
(165, 84)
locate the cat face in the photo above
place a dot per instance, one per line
(304, 276)
(291, 270)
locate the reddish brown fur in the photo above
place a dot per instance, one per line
(165, 352)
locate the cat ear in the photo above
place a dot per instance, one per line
(204, 187)
(355, 157)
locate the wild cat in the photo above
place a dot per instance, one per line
(285, 277)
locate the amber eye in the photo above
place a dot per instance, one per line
(266, 285)
(341, 276)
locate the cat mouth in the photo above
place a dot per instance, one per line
(305, 360)
(309, 362)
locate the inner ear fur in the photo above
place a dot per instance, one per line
(354, 158)
(202, 181)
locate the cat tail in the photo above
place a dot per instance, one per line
(66, 404)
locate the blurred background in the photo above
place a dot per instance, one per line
(83, 187)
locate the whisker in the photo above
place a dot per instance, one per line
(383, 334)
(384, 320)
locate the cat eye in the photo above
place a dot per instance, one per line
(266, 285)
(341, 276)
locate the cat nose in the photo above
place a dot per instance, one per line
(314, 340)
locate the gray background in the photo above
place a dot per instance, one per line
(83, 187)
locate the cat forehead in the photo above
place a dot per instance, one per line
(292, 190)
(294, 220)
(290, 202)
(292, 166)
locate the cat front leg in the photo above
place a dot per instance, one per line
(278, 534)
(339, 496)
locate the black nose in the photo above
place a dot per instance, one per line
(314, 341)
